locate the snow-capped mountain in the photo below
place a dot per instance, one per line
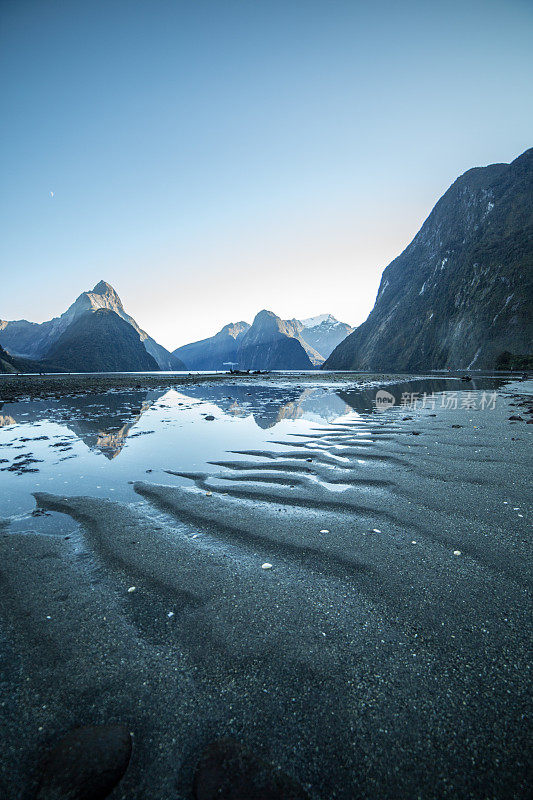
(323, 333)
(312, 322)
(318, 336)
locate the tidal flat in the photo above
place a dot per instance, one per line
(385, 652)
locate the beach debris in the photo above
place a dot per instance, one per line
(87, 763)
(376, 530)
(266, 565)
(131, 589)
(457, 552)
(324, 530)
(413, 542)
(457, 426)
(170, 614)
(227, 770)
(209, 418)
(208, 494)
(516, 418)
(415, 433)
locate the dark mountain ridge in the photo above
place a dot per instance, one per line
(461, 293)
(35, 341)
(318, 336)
(100, 341)
(214, 352)
(269, 344)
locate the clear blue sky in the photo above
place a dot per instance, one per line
(210, 158)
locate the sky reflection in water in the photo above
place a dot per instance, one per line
(98, 444)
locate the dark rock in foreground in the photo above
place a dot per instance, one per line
(86, 764)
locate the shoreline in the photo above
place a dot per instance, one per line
(16, 387)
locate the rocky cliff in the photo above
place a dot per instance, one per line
(269, 344)
(214, 352)
(461, 293)
(318, 337)
(99, 341)
(33, 340)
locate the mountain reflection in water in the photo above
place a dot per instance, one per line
(105, 422)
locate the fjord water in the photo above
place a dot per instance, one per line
(385, 654)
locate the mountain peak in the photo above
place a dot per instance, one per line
(311, 322)
(104, 288)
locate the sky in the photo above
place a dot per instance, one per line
(211, 158)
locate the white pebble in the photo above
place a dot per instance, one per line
(457, 552)
(266, 565)
(132, 589)
(324, 530)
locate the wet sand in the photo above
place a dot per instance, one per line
(64, 384)
(61, 384)
(386, 654)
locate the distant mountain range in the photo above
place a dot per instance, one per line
(269, 343)
(461, 294)
(215, 352)
(95, 334)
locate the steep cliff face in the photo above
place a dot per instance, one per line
(216, 351)
(33, 340)
(461, 293)
(99, 341)
(269, 344)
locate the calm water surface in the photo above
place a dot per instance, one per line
(98, 445)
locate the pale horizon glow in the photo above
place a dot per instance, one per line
(209, 160)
